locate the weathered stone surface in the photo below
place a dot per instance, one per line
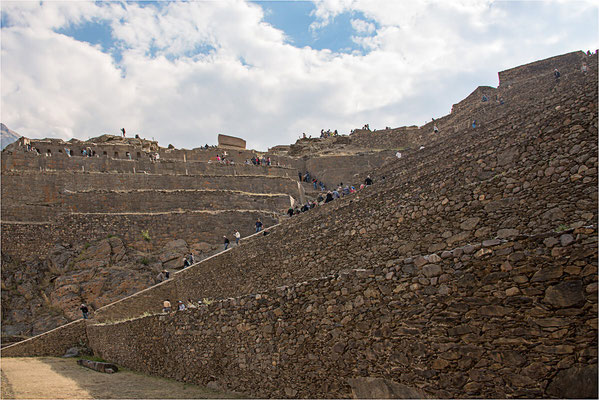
(566, 239)
(379, 388)
(577, 382)
(546, 274)
(494, 311)
(469, 223)
(431, 270)
(565, 294)
(491, 242)
(507, 233)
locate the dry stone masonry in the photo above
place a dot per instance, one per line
(469, 269)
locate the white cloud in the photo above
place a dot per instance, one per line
(362, 26)
(422, 56)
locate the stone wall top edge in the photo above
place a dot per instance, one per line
(544, 61)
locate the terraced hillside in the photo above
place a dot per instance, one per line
(469, 269)
(79, 229)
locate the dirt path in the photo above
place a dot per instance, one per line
(58, 378)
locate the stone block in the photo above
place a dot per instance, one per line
(379, 388)
(565, 294)
(431, 270)
(576, 382)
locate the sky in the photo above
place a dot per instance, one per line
(182, 72)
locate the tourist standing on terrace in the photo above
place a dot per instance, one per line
(368, 181)
(237, 237)
(226, 242)
(84, 310)
(258, 225)
(123, 130)
(329, 197)
(166, 306)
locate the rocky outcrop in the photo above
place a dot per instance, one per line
(7, 136)
(40, 295)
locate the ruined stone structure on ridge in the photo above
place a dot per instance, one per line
(231, 142)
(469, 269)
(50, 197)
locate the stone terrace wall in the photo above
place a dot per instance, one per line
(565, 63)
(332, 170)
(52, 343)
(47, 186)
(474, 100)
(479, 185)
(144, 201)
(26, 194)
(397, 138)
(38, 238)
(19, 161)
(496, 319)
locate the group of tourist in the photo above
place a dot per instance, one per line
(163, 276)
(154, 157)
(188, 260)
(326, 134)
(237, 237)
(180, 306)
(259, 161)
(306, 177)
(331, 195)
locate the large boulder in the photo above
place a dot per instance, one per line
(565, 294)
(173, 253)
(379, 388)
(576, 382)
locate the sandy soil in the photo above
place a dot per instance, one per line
(58, 378)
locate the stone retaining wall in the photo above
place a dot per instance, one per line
(565, 63)
(52, 343)
(145, 201)
(19, 161)
(21, 239)
(496, 319)
(39, 186)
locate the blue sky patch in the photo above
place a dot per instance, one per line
(96, 32)
(294, 19)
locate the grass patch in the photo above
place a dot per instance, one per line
(91, 358)
(146, 235)
(562, 227)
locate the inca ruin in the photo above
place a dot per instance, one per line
(468, 269)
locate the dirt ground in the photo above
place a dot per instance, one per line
(58, 378)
